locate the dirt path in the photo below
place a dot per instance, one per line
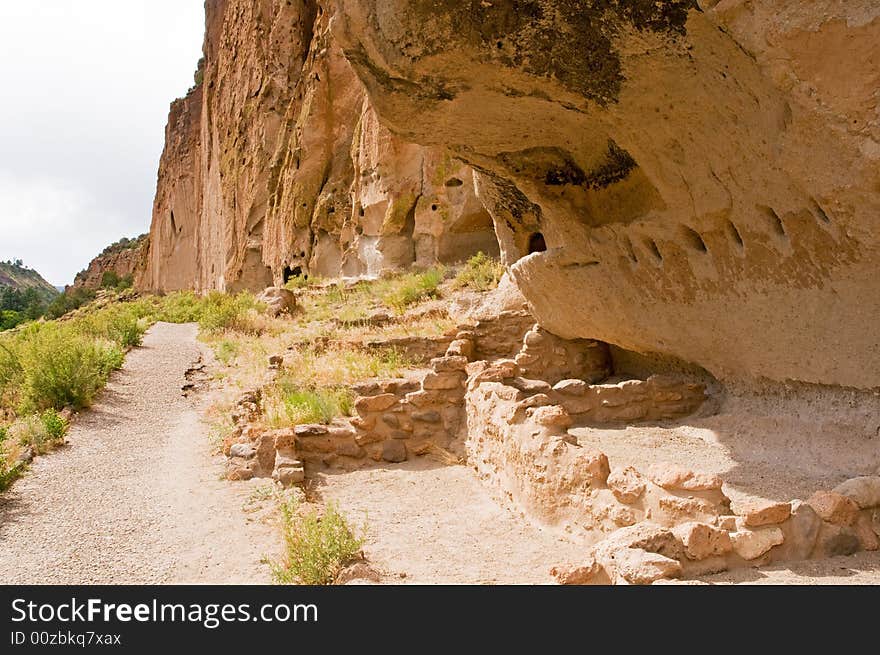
(438, 525)
(137, 496)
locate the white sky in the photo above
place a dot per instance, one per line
(85, 87)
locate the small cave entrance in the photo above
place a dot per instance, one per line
(290, 273)
(537, 243)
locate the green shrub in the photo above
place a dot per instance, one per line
(69, 301)
(10, 319)
(180, 307)
(65, 367)
(481, 273)
(56, 425)
(225, 312)
(316, 546)
(112, 280)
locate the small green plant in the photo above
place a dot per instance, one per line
(56, 425)
(481, 273)
(316, 546)
(413, 288)
(226, 351)
(8, 473)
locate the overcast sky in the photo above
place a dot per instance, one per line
(85, 87)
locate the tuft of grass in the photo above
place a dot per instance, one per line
(39, 432)
(226, 351)
(481, 273)
(316, 545)
(290, 404)
(412, 288)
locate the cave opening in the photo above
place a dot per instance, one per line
(290, 273)
(537, 243)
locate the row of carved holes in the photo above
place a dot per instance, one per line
(695, 241)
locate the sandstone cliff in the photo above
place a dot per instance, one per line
(695, 179)
(276, 165)
(123, 260)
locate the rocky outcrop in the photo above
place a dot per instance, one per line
(276, 165)
(124, 261)
(694, 179)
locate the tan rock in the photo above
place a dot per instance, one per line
(801, 531)
(639, 567)
(834, 507)
(394, 451)
(449, 364)
(571, 387)
(380, 403)
(442, 381)
(278, 301)
(551, 416)
(627, 485)
(461, 348)
(368, 437)
(701, 540)
(751, 544)
(835, 541)
(645, 536)
(865, 491)
(671, 476)
(864, 528)
(283, 438)
(590, 573)
(756, 512)
(677, 510)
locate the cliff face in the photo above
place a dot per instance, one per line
(695, 179)
(124, 259)
(275, 164)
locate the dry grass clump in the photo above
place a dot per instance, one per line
(317, 545)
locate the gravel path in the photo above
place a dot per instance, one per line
(136, 497)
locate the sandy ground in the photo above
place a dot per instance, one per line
(428, 524)
(136, 497)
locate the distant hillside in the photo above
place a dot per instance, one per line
(118, 265)
(16, 275)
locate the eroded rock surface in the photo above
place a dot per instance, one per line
(697, 179)
(275, 165)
